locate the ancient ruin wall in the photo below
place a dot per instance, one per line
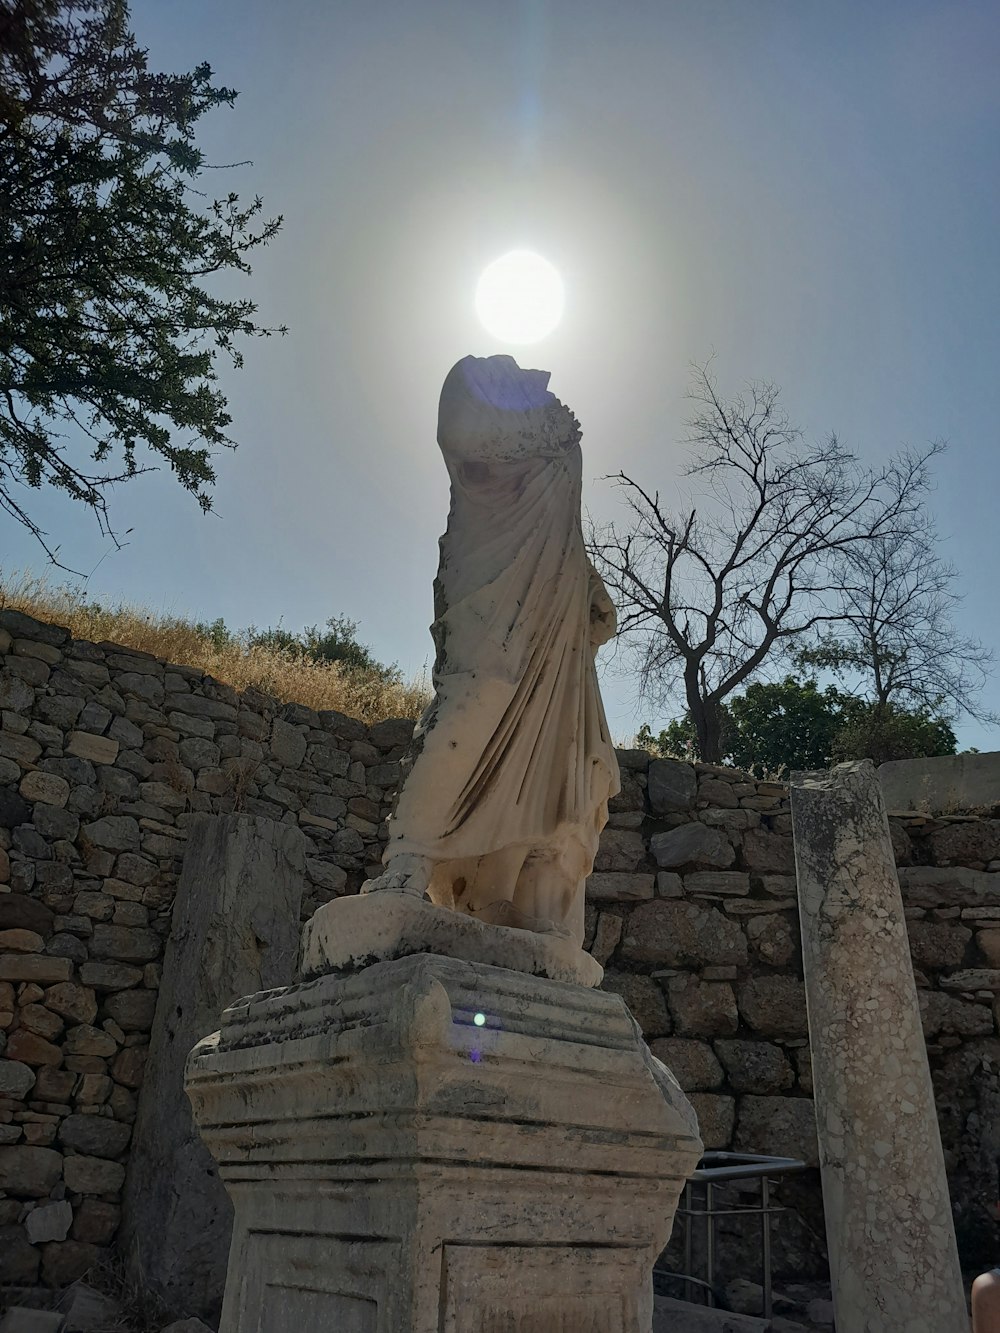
(105, 755)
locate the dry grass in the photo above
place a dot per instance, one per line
(289, 676)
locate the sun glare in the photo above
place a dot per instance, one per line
(520, 297)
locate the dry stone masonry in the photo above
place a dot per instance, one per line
(106, 758)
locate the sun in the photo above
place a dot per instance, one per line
(520, 297)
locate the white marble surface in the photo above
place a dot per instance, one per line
(514, 764)
(397, 1166)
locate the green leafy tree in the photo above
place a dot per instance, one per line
(109, 336)
(884, 731)
(794, 724)
(787, 724)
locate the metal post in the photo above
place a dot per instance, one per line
(710, 1242)
(765, 1226)
(688, 1247)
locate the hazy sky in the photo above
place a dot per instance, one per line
(810, 191)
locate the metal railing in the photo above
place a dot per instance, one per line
(713, 1171)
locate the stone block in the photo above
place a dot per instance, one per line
(36, 1018)
(94, 1135)
(691, 844)
(16, 1079)
(722, 883)
(682, 934)
(607, 934)
(733, 821)
(937, 943)
(87, 1040)
(669, 884)
(96, 749)
(128, 1066)
(31, 1049)
(716, 1117)
(972, 979)
(953, 1016)
(672, 786)
(974, 840)
(114, 833)
(389, 734)
(45, 787)
(50, 1221)
(21, 941)
(55, 1085)
(92, 1175)
(952, 886)
(20, 913)
(716, 794)
(774, 1006)
(71, 1001)
(645, 1000)
(288, 743)
(132, 1010)
(610, 886)
(946, 784)
(29, 1173)
(106, 976)
(34, 967)
(621, 850)
(130, 944)
(778, 1127)
(768, 853)
(692, 1063)
(96, 1221)
(755, 1066)
(702, 1008)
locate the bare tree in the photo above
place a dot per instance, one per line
(706, 597)
(895, 634)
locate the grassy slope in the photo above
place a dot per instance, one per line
(287, 676)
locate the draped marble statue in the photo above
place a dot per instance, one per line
(500, 813)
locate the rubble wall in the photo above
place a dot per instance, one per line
(106, 755)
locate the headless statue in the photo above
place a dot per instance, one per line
(512, 765)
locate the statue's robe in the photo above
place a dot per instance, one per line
(514, 754)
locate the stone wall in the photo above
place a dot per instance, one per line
(106, 756)
(693, 914)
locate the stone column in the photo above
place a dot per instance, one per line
(432, 1144)
(893, 1259)
(235, 929)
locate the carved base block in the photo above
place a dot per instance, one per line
(353, 932)
(436, 1146)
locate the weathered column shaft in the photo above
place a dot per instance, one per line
(893, 1259)
(235, 929)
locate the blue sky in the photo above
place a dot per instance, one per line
(809, 191)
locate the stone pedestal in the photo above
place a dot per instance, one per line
(893, 1259)
(431, 1145)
